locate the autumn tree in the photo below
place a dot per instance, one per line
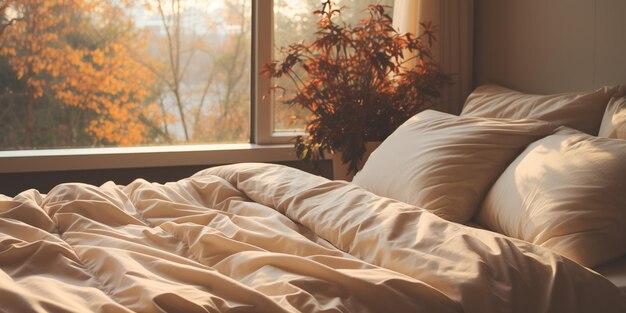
(72, 58)
(202, 61)
(173, 70)
(229, 120)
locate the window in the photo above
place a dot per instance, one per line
(110, 73)
(98, 73)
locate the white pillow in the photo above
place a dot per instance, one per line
(566, 192)
(445, 163)
(614, 121)
(578, 110)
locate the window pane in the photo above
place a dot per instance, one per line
(89, 73)
(294, 22)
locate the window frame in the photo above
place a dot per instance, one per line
(28, 161)
(262, 127)
(266, 145)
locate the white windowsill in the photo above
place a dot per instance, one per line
(137, 157)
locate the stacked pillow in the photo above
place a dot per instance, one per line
(564, 192)
(614, 121)
(579, 110)
(445, 163)
(561, 189)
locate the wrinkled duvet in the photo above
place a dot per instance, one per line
(267, 238)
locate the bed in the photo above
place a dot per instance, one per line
(412, 233)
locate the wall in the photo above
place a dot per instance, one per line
(548, 46)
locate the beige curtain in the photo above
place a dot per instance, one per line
(453, 50)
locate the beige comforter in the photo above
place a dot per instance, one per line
(265, 238)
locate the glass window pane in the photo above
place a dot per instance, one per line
(90, 73)
(293, 23)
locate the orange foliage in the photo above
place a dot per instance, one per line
(109, 83)
(227, 125)
(104, 79)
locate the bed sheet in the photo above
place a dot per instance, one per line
(267, 238)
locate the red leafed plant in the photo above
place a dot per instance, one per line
(356, 83)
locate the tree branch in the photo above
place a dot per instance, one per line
(10, 22)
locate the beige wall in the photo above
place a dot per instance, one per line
(547, 46)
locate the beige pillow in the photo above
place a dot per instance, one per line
(578, 110)
(566, 192)
(445, 163)
(614, 121)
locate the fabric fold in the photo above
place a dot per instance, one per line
(267, 238)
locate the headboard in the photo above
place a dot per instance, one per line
(550, 46)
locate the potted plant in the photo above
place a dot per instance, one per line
(356, 82)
